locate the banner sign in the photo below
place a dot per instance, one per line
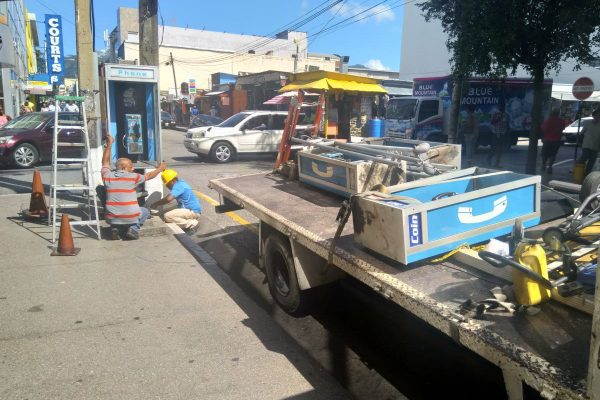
(192, 87)
(54, 47)
(432, 87)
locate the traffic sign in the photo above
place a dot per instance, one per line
(583, 88)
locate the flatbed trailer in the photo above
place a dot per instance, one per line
(554, 351)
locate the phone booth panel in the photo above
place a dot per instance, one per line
(133, 118)
(132, 111)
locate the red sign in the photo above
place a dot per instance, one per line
(583, 88)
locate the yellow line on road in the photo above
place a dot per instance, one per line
(242, 221)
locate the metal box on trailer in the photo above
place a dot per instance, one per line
(344, 175)
(431, 216)
(439, 153)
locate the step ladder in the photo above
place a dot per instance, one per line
(89, 205)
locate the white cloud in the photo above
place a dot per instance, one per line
(379, 13)
(376, 64)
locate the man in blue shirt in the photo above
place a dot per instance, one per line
(187, 213)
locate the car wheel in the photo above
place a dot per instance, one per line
(163, 125)
(221, 152)
(25, 155)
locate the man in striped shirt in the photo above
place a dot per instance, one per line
(122, 210)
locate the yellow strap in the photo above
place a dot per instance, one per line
(456, 250)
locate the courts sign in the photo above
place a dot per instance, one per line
(54, 48)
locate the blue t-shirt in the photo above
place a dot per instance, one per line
(185, 196)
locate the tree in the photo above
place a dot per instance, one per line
(495, 37)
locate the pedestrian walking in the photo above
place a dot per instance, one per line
(71, 107)
(3, 118)
(470, 132)
(25, 109)
(213, 111)
(188, 212)
(500, 136)
(591, 142)
(45, 107)
(552, 129)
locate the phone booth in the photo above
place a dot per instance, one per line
(132, 115)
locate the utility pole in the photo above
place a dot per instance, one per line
(87, 67)
(173, 67)
(148, 32)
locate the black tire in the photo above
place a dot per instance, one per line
(221, 152)
(591, 184)
(281, 276)
(25, 155)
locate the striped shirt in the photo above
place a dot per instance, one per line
(121, 198)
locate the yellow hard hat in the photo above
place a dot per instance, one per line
(168, 175)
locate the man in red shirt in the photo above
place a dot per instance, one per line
(551, 133)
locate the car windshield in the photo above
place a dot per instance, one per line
(165, 114)
(401, 109)
(576, 122)
(233, 120)
(27, 121)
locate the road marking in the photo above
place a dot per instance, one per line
(242, 221)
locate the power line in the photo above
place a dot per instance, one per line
(55, 12)
(338, 26)
(264, 41)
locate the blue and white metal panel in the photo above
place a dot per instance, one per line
(484, 206)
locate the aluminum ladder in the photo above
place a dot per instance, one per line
(90, 208)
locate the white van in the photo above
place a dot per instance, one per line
(244, 132)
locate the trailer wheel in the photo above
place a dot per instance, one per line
(590, 185)
(281, 276)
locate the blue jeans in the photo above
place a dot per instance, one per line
(144, 214)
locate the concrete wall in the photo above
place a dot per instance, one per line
(200, 64)
(424, 53)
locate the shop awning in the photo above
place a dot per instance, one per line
(279, 99)
(214, 93)
(325, 80)
(284, 98)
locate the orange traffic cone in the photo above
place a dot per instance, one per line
(65, 239)
(37, 204)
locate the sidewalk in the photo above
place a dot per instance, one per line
(136, 320)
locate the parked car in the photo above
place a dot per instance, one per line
(26, 140)
(571, 131)
(244, 132)
(205, 120)
(167, 120)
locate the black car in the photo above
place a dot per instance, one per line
(204, 120)
(167, 120)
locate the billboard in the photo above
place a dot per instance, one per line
(54, 48)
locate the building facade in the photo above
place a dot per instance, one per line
(424, 52)
(14, 66)
(198, 54)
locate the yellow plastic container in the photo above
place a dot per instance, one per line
(527, 291)
(579, 173)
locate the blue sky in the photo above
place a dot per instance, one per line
(372, 41)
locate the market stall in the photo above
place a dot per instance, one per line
(349, 100)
